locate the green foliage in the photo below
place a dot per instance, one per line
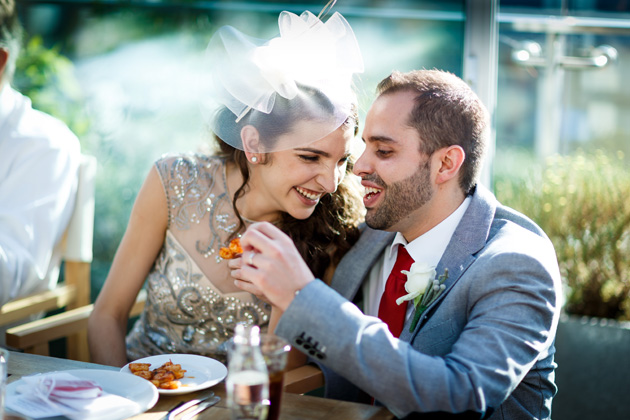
(582, 202)
(47, 78)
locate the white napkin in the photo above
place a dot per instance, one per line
(63, 394)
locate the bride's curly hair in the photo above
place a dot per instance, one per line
(324, 237)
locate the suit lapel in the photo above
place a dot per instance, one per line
(356, 264)
(469, 238)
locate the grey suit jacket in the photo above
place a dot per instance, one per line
(483, 349)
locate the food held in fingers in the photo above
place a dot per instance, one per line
(233, 250)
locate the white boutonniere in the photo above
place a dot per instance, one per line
(422, 287)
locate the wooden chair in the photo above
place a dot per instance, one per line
(74, 292)
(303, 379)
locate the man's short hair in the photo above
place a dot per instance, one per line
(446, 112)
(10, 36)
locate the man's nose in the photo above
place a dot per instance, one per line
(361, 166)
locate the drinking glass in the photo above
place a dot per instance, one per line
(275, 351)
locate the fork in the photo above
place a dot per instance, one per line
(183, 406)
(203, 406)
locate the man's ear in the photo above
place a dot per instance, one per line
(450, 160)
(251, 143)
(4, 58)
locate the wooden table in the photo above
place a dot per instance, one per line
(294, 406)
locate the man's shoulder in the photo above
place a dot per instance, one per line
(502, 216)
(507, 217)
(513, 233)
(490, 228)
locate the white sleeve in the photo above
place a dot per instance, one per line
(36, 201)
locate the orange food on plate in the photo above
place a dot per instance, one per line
(232, 251)
(139, 367)
(168, 385)
(146, 374)
(164, 377)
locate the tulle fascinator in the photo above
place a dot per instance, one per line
(294, 89)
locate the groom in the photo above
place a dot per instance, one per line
(479, 343)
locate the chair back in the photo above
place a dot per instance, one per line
(80, 231)
(77, 252)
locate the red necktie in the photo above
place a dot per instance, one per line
(388, 311)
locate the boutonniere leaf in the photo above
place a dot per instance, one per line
(422, 287)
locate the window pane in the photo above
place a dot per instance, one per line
(561, 86)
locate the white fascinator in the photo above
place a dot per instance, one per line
(294, 89)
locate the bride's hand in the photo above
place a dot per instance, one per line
(270, 265)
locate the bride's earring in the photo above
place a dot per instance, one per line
(254, 159)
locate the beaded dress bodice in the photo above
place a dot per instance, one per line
(186, 312)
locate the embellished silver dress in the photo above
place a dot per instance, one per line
(185, 311)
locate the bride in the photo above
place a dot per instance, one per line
(284, 118)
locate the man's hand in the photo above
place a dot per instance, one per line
(270, 265)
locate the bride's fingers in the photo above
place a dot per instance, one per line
(248, 287)
(245, 272)
(268, 229)
(235, 263)
(253, 239)
(238, 271)
(263, 237)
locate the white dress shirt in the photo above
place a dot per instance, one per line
(39, 160)
(428, 248)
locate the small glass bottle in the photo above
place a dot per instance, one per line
(247, 382)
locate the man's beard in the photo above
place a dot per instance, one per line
(400, 198)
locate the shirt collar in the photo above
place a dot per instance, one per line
(430, 246)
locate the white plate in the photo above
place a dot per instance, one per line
(201, 372)
(139, 390)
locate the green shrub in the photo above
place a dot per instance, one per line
(47, 78)
(582, 202)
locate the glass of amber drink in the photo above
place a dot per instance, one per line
(275, 351)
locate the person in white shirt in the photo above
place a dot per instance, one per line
(39, 160)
